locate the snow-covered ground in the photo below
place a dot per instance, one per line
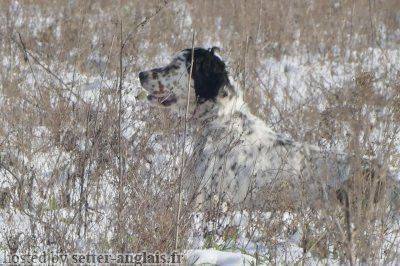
(216, 257)
(294, 75)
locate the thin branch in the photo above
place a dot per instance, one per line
(121, 76)
(120, 152)
(8, 170)
(178, 216)
(26, 59)
(144, 22)
(28, 53)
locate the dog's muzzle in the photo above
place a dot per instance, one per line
(157, 97)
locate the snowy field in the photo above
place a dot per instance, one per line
(88, 166)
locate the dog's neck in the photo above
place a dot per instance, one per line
(220, 111)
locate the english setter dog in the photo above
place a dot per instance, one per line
(237, 157)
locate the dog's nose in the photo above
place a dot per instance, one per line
(142, 76)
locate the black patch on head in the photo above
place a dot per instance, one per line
(209, 73)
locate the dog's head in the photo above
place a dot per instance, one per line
(168, 86)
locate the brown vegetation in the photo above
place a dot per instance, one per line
(78, 173)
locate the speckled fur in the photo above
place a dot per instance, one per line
(236, 154)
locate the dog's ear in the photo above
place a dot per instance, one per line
(214, 49)
(209, 74)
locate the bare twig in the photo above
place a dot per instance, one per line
(178, 216)
(246, 48)
(28, 54)
(120, 156)
(144, 22)
(26, 58)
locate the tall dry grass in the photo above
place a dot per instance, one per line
(100, 173)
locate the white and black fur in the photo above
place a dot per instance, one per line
(236, 154)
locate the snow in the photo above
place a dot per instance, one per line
(216, 257)
(290, 75)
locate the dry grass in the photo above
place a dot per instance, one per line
(82, 180)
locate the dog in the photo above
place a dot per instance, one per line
(237, 158)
